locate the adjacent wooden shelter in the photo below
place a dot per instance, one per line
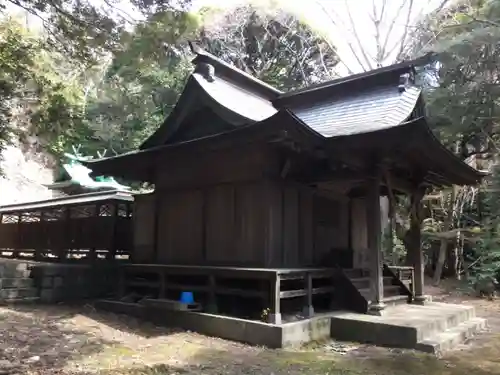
(249, 179)
(85, 227)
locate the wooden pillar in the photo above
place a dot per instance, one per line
(111, 254)
(417, 255)
(308, 309)
(95, 223)
(212, 297)
(374, 229)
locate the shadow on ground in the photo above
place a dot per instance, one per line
(119, 322)
(128, 324)
(41, 331)
(35, 339)
(211, 362)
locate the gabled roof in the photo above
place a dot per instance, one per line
(372, 110)
(235, 95)
(368, 112)
(231, 73)
(352, 83)
(360, 103)
(247, 104)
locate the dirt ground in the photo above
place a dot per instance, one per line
(66, 340)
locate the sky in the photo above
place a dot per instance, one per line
(347, 23)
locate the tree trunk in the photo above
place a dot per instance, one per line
(452, 259)
(443, 248)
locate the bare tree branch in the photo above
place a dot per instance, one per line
(356, 36)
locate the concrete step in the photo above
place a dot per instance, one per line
(444, 319)
(432, 327)
(6, 294)
(452, 337)
(17, 282)
(431, 319)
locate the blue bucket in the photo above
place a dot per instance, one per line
(187, 298)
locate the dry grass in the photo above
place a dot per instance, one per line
(63, 340)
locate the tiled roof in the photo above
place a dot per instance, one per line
(368, 111)
(243, 102)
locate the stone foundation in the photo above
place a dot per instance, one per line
(285, 335)
(51, 282)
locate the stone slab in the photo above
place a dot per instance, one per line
(404, 326)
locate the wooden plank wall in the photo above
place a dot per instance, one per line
(253, 224)
(230, 207)
(331, 224)
(218, 225)
(144, 228)
(359, 236)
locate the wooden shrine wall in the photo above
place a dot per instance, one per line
(253, 224)
(232, 208)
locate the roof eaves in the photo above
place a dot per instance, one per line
(87, 198)
(468, 174)
(265, 127)
(173, 120)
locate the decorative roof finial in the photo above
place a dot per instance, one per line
(206, 70)
(405, 80)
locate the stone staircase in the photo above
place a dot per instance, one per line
(360, 279)
(433, 328)
(16, 285)
(453, 325)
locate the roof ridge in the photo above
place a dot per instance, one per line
(233, 73)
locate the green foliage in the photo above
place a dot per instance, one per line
(143, 81)
(36, 95)
(16, 56)
(465, 107)
(77, 94)
(86, 29)
(487, 250)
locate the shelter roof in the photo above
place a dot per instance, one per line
(88, 198)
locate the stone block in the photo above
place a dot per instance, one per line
(47, 295)
(47, 282)
(9, 294)
(13, 270)
(22, 267)
(51, 270)
(17, 293)
(58, 282)
(19, 282)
